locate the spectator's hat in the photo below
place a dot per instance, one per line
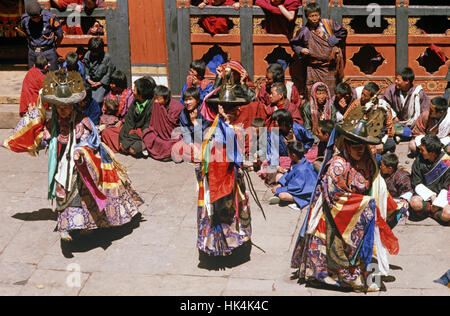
(63, 88)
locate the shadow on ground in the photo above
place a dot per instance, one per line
(100, 238)
(239, 256)
(44, 214)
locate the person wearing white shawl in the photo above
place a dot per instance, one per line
(436, 121)
(407, 101)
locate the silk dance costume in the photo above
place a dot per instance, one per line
(223, 215)
(346, 223)
(90, 187)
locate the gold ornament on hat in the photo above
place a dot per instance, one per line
(363, 124)
(61, 87)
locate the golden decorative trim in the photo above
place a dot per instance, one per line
(237, 25)
(346, 23)
(195, 27)
(257, 26)
(391, 29)
(412, 28)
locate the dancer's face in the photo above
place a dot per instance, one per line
(64, 111)
(356, 151)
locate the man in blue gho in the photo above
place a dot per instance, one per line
(298, 183)
(285, 131)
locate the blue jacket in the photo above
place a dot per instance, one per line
(300, 182)
(43, 33)
(93, 111)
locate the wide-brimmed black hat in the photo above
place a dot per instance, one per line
(362, 126)
(229, 94)
(63, 88)
(228, 98)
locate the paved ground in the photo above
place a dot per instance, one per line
(158, 255)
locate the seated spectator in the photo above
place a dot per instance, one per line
(89, 107)
(275, 73)
(196, 79)
(32, 84)
(138, 118)
(192, 126)
(109, 117)
(72, 63)
(285, 131)
(430, 179)
(398, 180)
(298, 183)
(120, 92)
(279, 100)
(280, 16)
(407, 101)
(216, 24)
(99, 68)
(126, 137)
(343, 97)
(318, 108)
(317, 152)
(165, 118)
(435, 121)
(387, 132)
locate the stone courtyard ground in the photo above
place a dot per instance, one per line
(157, 255)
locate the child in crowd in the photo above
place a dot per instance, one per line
(99, 68)
(32, 84)
(90, 107)
(318, 108)
(397, 179)
(298, 183)
(109, 117)
(192, 125)
(158, 138)
(285, 131)
(196, 79)
(73, 64)
(317, 152)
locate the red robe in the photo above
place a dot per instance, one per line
(291, 107)
(276, 22)
(31, 85)
(158, 137)
(216, 24)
